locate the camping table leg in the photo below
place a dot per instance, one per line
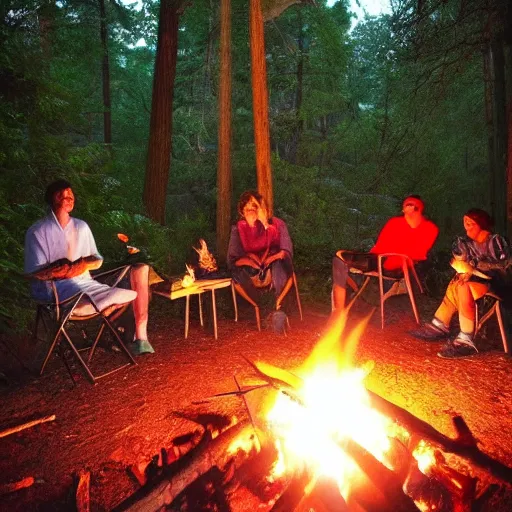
(201, 320)
(187, 314)
(214, 309)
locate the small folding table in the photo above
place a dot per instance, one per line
(198, 288)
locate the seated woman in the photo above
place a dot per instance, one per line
(480, 259)
(260, 250)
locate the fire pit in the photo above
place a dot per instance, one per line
(317, 439)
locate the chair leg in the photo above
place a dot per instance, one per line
(95, 343)
(244, 294)
(283, 293)
(297, 296)
(382, 299)
(359, 292)
(120, 342)
(66, 364)
(53, 344)
(502, 327)
(235, 304)
(479, 324)
(410, 291)
(258, 320)
(79, 357)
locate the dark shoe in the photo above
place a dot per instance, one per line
(139, 347)
(458, 348)
(430, 332)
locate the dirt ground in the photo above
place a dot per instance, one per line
(127, 417)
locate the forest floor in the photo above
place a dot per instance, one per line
(127, 417)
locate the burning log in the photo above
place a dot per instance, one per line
(294, 493)
(382, 477)
(464, 445)
(206, 455)
(304, 493)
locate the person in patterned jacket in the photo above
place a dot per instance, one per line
(481, 259)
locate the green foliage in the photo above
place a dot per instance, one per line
(357, 120)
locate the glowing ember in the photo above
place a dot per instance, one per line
(425, 456)
(206, 260)
(189, 278)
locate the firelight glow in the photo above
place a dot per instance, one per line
(331, 405)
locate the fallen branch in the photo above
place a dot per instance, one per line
(174, 479)
(82, 491)
(15, 486)
(23, 426)
(464, 445)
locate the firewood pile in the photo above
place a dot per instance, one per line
(205, 470)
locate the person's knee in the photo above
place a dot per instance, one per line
(140, 273)
(451, 295)
(339, 272)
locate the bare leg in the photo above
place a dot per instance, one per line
(139, 282)
(461, 296)
(468, 294)
(339, 295)
(449, 305)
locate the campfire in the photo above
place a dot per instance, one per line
(329, 444)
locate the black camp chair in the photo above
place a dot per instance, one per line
(56, 317)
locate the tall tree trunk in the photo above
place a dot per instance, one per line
(298, 96)
(224, 179)
(499, 194)
(260, 103)
(508, 79)
(160, 129)
(105, 73)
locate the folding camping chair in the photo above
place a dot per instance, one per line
(494, 309)
(56, 316)
(403, 277)
(292, 281)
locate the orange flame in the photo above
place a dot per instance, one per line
(326, 404)
(206, 259)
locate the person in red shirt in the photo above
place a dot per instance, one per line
(411, 234)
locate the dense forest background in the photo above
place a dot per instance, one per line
(414, 101)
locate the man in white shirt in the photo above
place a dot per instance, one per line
(67, 245)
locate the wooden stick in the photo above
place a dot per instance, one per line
(464, 445)
(23, 426)
(383, 478)
(15, 486)
(82, 491)
(207, 454)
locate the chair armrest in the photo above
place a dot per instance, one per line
(406, 260)
(400, 255)
(122, 271)
(407, 263)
